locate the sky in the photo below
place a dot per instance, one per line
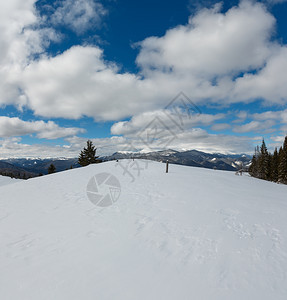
(141, 76)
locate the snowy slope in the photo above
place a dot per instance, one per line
(4, 180)
(190, 234)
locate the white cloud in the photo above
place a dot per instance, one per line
(167, 120)
(13, 147)
(201, 140)
(201, 58)
(10, 127)
(256, 126)
(14, 16)
(18, 44)
(279, 139)
(77, 83)
(220, 127)
(242, 115)
(159, 130)
(213, 43)
(269, 84)
(279, 116)
(275, 1)
(79, 15)
(192, 139)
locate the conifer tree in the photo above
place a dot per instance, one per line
(282, 170)
(254, 168)
(268, 173)
(88, 155)
(263, 161)
(275, 166)
(51, 169)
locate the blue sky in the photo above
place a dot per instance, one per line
(72, 70)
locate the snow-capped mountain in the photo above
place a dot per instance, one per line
(32, 167)
(35, 166)
(191, 158)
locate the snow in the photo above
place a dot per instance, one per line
(193, 233)
(4, 180)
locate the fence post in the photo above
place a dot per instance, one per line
(166, 168)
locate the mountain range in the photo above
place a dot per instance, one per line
(32, 167)
(191, 158)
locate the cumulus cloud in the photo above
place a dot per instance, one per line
(79, 15)
(280, 116)
(173, 121)
(13, 148)
(275, 1)
(19, 42)
(279, 139)
(269, 83)
(220, 126)
(10, 127)
(201, 58)
(162, 129)
(256, 126)
(194, 138)
(213, 43)
(79, 82)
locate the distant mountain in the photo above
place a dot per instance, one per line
(7, 169)
(37, 166)
(28, 167)
(190, 158)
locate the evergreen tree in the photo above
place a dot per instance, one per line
(254, 167)
(275, 166)
(268, 173)
(263, 162)
(51, 169)
(88, 155)
(282, 170)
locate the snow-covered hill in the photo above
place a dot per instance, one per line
(4, 180)
(190, 234)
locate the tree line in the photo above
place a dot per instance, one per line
(268, 166)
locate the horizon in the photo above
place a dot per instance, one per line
(190, 75)
(120, 152)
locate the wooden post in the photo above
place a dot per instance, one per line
(166, 168)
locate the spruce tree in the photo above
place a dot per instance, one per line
(263, 161)
(254, 167)
(282, 173)
(88, 155)
(275, 166)
(268, 174)
(51, 169)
